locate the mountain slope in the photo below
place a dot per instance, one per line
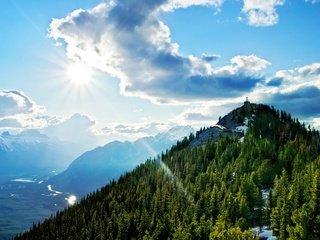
(218, 190)
(97, 167)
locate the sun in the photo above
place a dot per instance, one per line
(79, 74)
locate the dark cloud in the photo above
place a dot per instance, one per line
(128, 13)
(302, 102)
(275, 82)
(198, 87)
(170, 62)
(210, 57)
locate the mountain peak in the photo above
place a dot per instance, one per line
(32, 133)
(179, 132)
(239, 116)
(261, 120)
(237, 122)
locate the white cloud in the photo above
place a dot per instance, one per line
(174, 4)
(21, 121)
(315, 122)
(249, 63)
(77, 129)
(127, 40)
(261, 13)
(292, 79)
(312, 70)
(207, 113)
(294, 90)
(243, 64)
(18, 111)
(15, 102)
(132, 131)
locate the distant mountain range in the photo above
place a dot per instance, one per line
(31, 152)
(97, 167)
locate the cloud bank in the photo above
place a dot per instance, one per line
(127, 40)
(296, 90)
(303, 101)
(19, 112)
(78, 127)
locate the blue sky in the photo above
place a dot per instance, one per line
(154, 64)
(292, 42)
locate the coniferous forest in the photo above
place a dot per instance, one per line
(218, 190)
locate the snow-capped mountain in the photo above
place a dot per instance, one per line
(31, 152)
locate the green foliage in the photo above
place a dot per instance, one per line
(208, 192)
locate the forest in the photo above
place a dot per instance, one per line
(219, 190)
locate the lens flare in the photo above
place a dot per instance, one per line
(176, 181)
(72, 199)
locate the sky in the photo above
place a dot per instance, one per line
(91, 70)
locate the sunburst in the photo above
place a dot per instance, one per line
(79, 74)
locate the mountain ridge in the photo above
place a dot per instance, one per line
(232, 124)
(94, 168)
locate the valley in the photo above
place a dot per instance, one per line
(25, 201)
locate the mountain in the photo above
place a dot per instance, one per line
(97, 167)
(267, 175)
(31, 152)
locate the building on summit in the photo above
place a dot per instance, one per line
(246, 103)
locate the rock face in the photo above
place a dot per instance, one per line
(213, 133)
(234, 123)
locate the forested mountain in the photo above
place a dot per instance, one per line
(97, 167)
(210, 189)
